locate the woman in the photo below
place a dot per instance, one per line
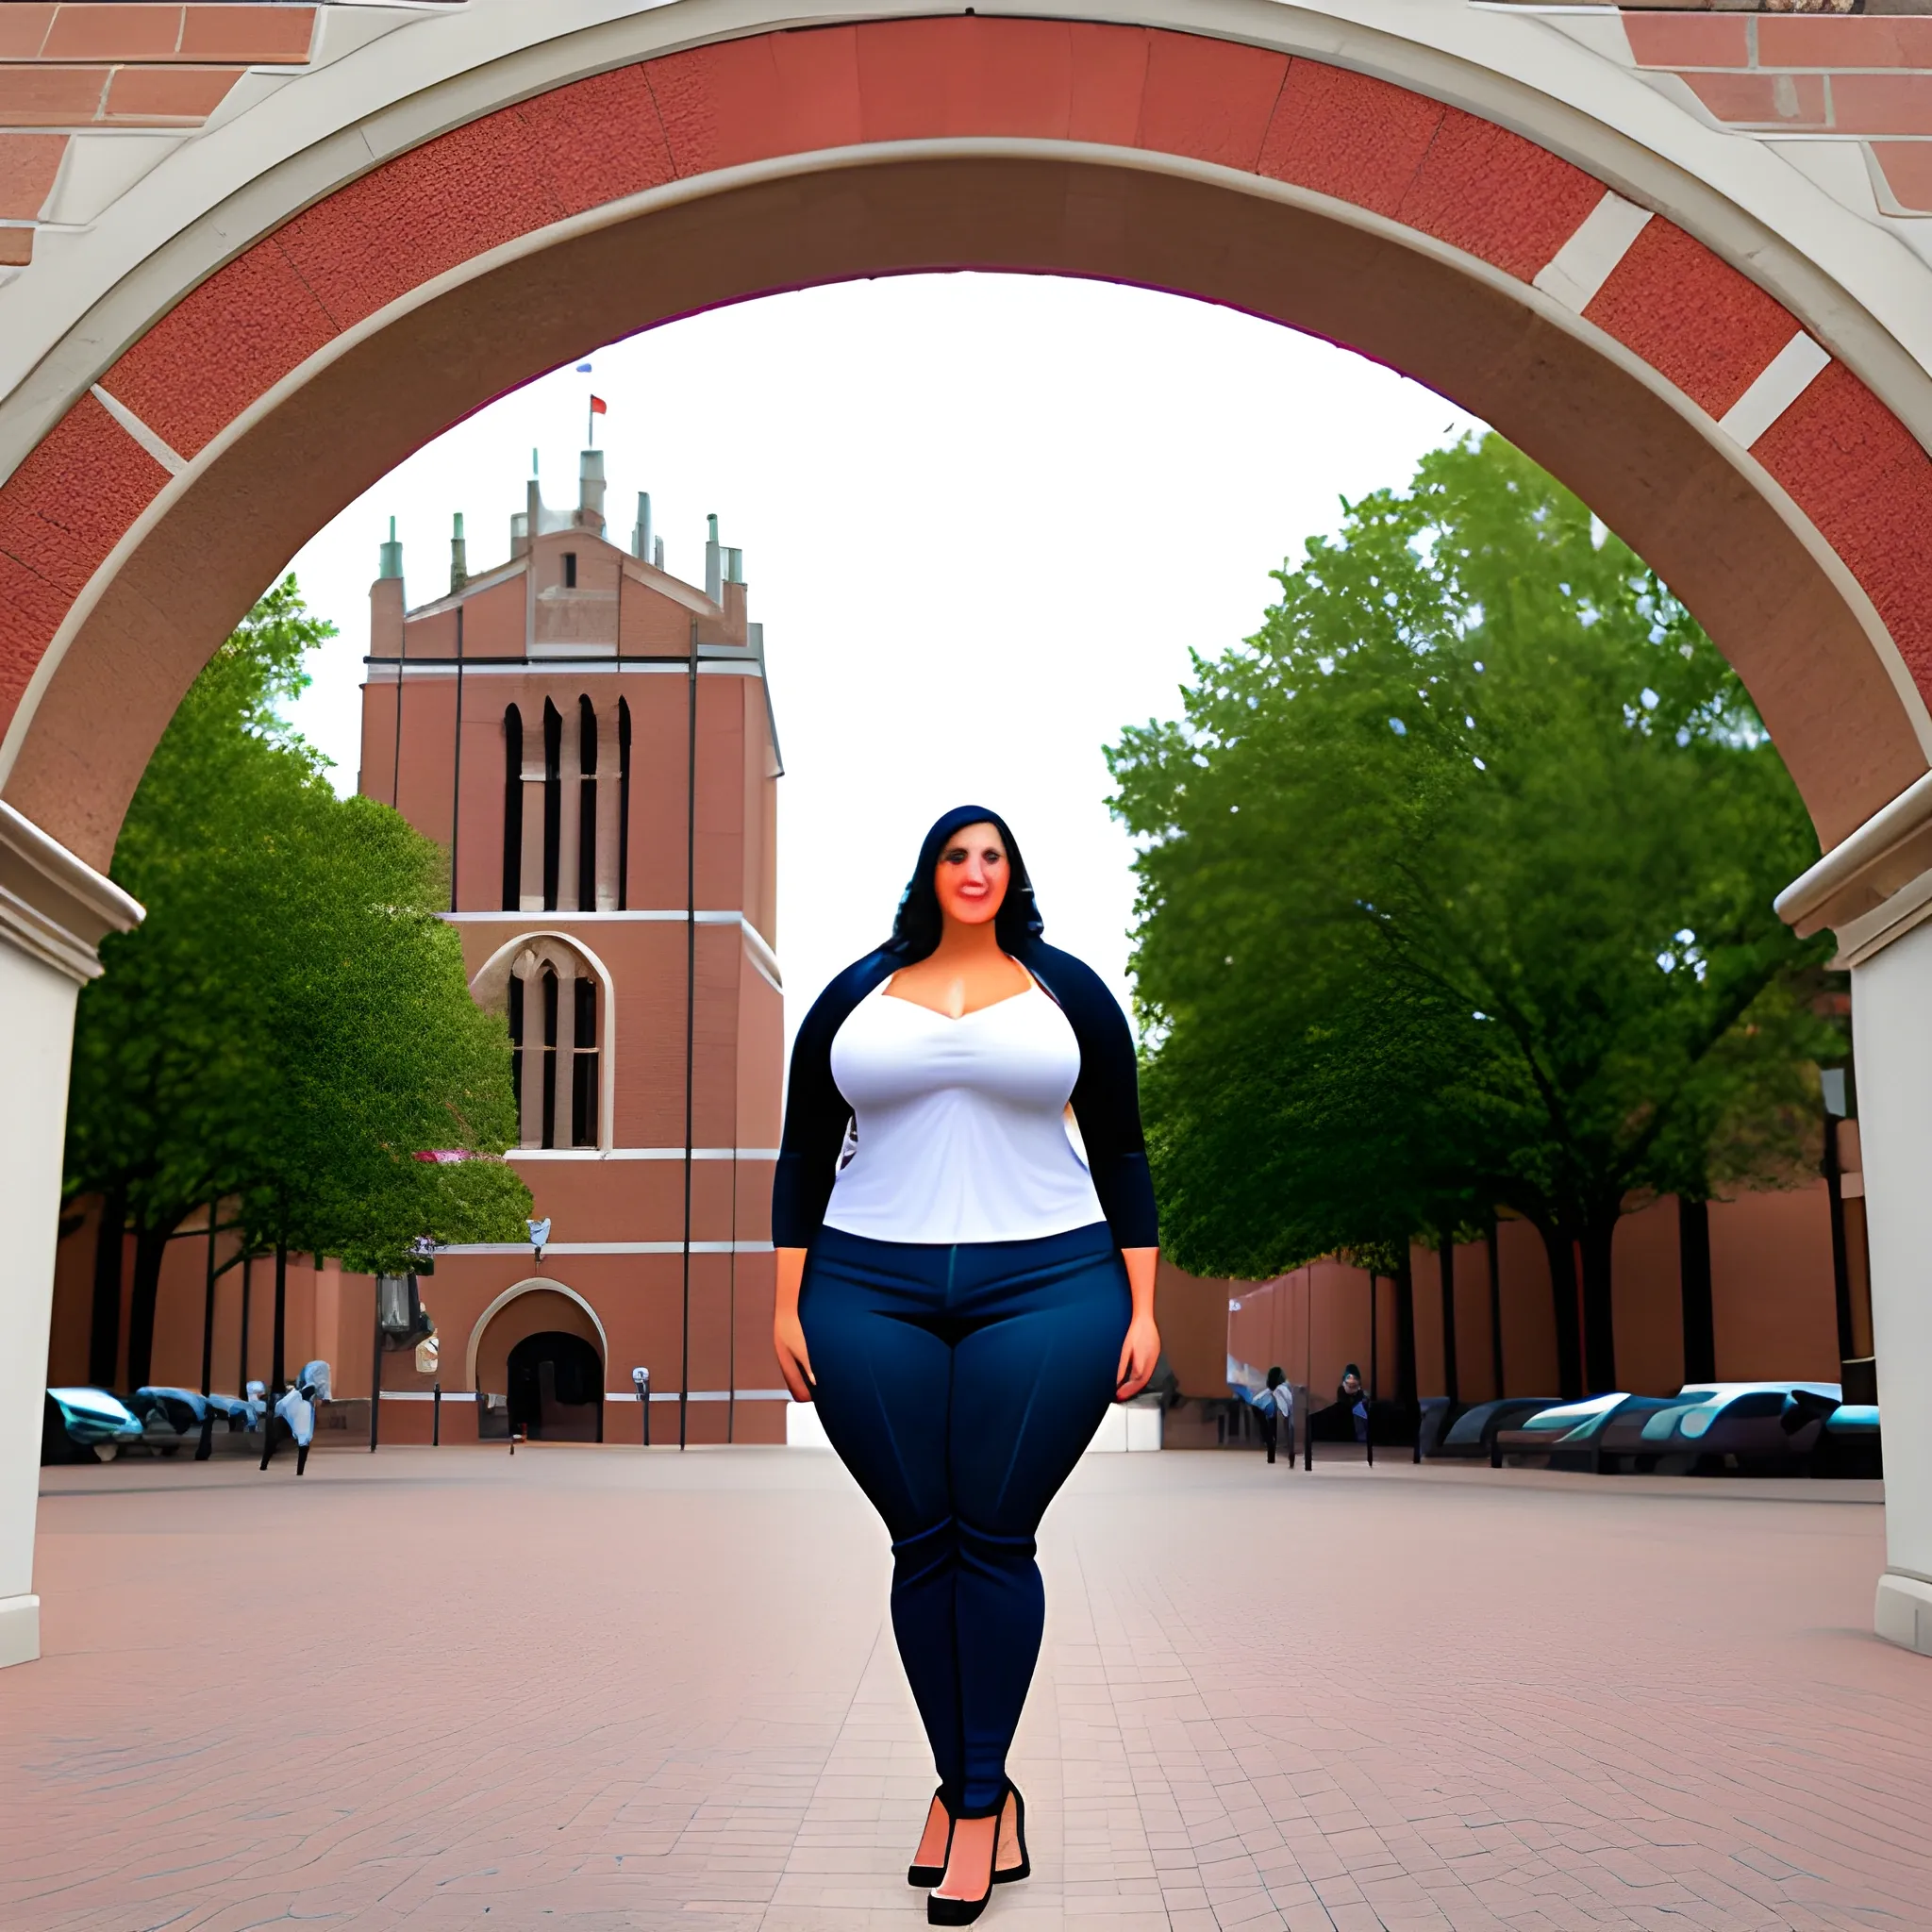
(966, 1293)
(1272, 1405)
(1354, 1398)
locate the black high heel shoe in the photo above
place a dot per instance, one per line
(963, 1911)
(928, 1877)
(1014, 1874)
(940, 1910)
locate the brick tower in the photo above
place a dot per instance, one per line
(592, 741)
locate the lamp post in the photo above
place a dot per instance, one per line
(397, 1313)
(205, 1448)
(640, 1380)
(1831, 1082)
(375, 1364)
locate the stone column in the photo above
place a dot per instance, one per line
(1892, 1012)
(566, 1049)
(530, 898)
(528, 971)
(54, 911)
(571, 768)
(1874, 891)
(608, 831)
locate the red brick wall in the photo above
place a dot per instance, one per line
(1865, 75)
(1772, 1290)
(66, 67)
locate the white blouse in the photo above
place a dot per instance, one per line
(961, 1127)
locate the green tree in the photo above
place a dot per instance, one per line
(290, 1023)
(1454, 895)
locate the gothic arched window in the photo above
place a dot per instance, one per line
(548, 989)
(583, 1068)
(512, 807)
(587, 806)
(553, 801)
(622, 806)
(551, 995)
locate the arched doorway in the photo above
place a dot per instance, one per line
(556, 1391)
(1674, 321)
(536, 1359)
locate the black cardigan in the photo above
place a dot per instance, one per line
(1105, 1099)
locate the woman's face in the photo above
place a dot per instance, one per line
(972, 876)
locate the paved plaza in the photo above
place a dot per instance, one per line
(604, 1687)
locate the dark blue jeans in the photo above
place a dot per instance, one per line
(960, 1385)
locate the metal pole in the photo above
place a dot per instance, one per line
(395, 772)
(691, 988)
(456, 788)
(278, 1366)
(375, 1368)
(1308, 1325)
(731, 1303)
(1840, 1266)
(1374, 1338)
(1495, 1312)
(247, 1301)
(436, 1415)
(205, 1447)
(1374, 1370)
(1452, 1366)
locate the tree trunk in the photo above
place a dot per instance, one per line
(1452, 1379)
(1405, 1329)
(150, 1251)
(1561, 1251)
(1375, 1340)
(1599, 1313)
(247, 1308)
(104, 1334)
(1693, 1290)
(1496, 1312)
(278, 1366)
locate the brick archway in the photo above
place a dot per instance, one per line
(1738, 383)
(526, 1308)
(1760, 474)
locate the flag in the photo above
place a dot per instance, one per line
(599, 407)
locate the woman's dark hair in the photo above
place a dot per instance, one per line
(1275, 1378)
(1349, 1370)
(916, 929)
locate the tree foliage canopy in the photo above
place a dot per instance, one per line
(1455, 894)
(291, 1023)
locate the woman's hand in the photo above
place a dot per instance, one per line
(1138, 1354)
(788, 1332)
(1140, 1351)
(794, 1361)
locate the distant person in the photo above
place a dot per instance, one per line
(1274, 1405)
(1353, 1397)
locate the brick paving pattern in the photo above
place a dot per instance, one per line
(604, 1689)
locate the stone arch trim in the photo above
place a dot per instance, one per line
(1807, 434)
(528, 1284)
(486, 983)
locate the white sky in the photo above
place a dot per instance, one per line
(984, 519)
